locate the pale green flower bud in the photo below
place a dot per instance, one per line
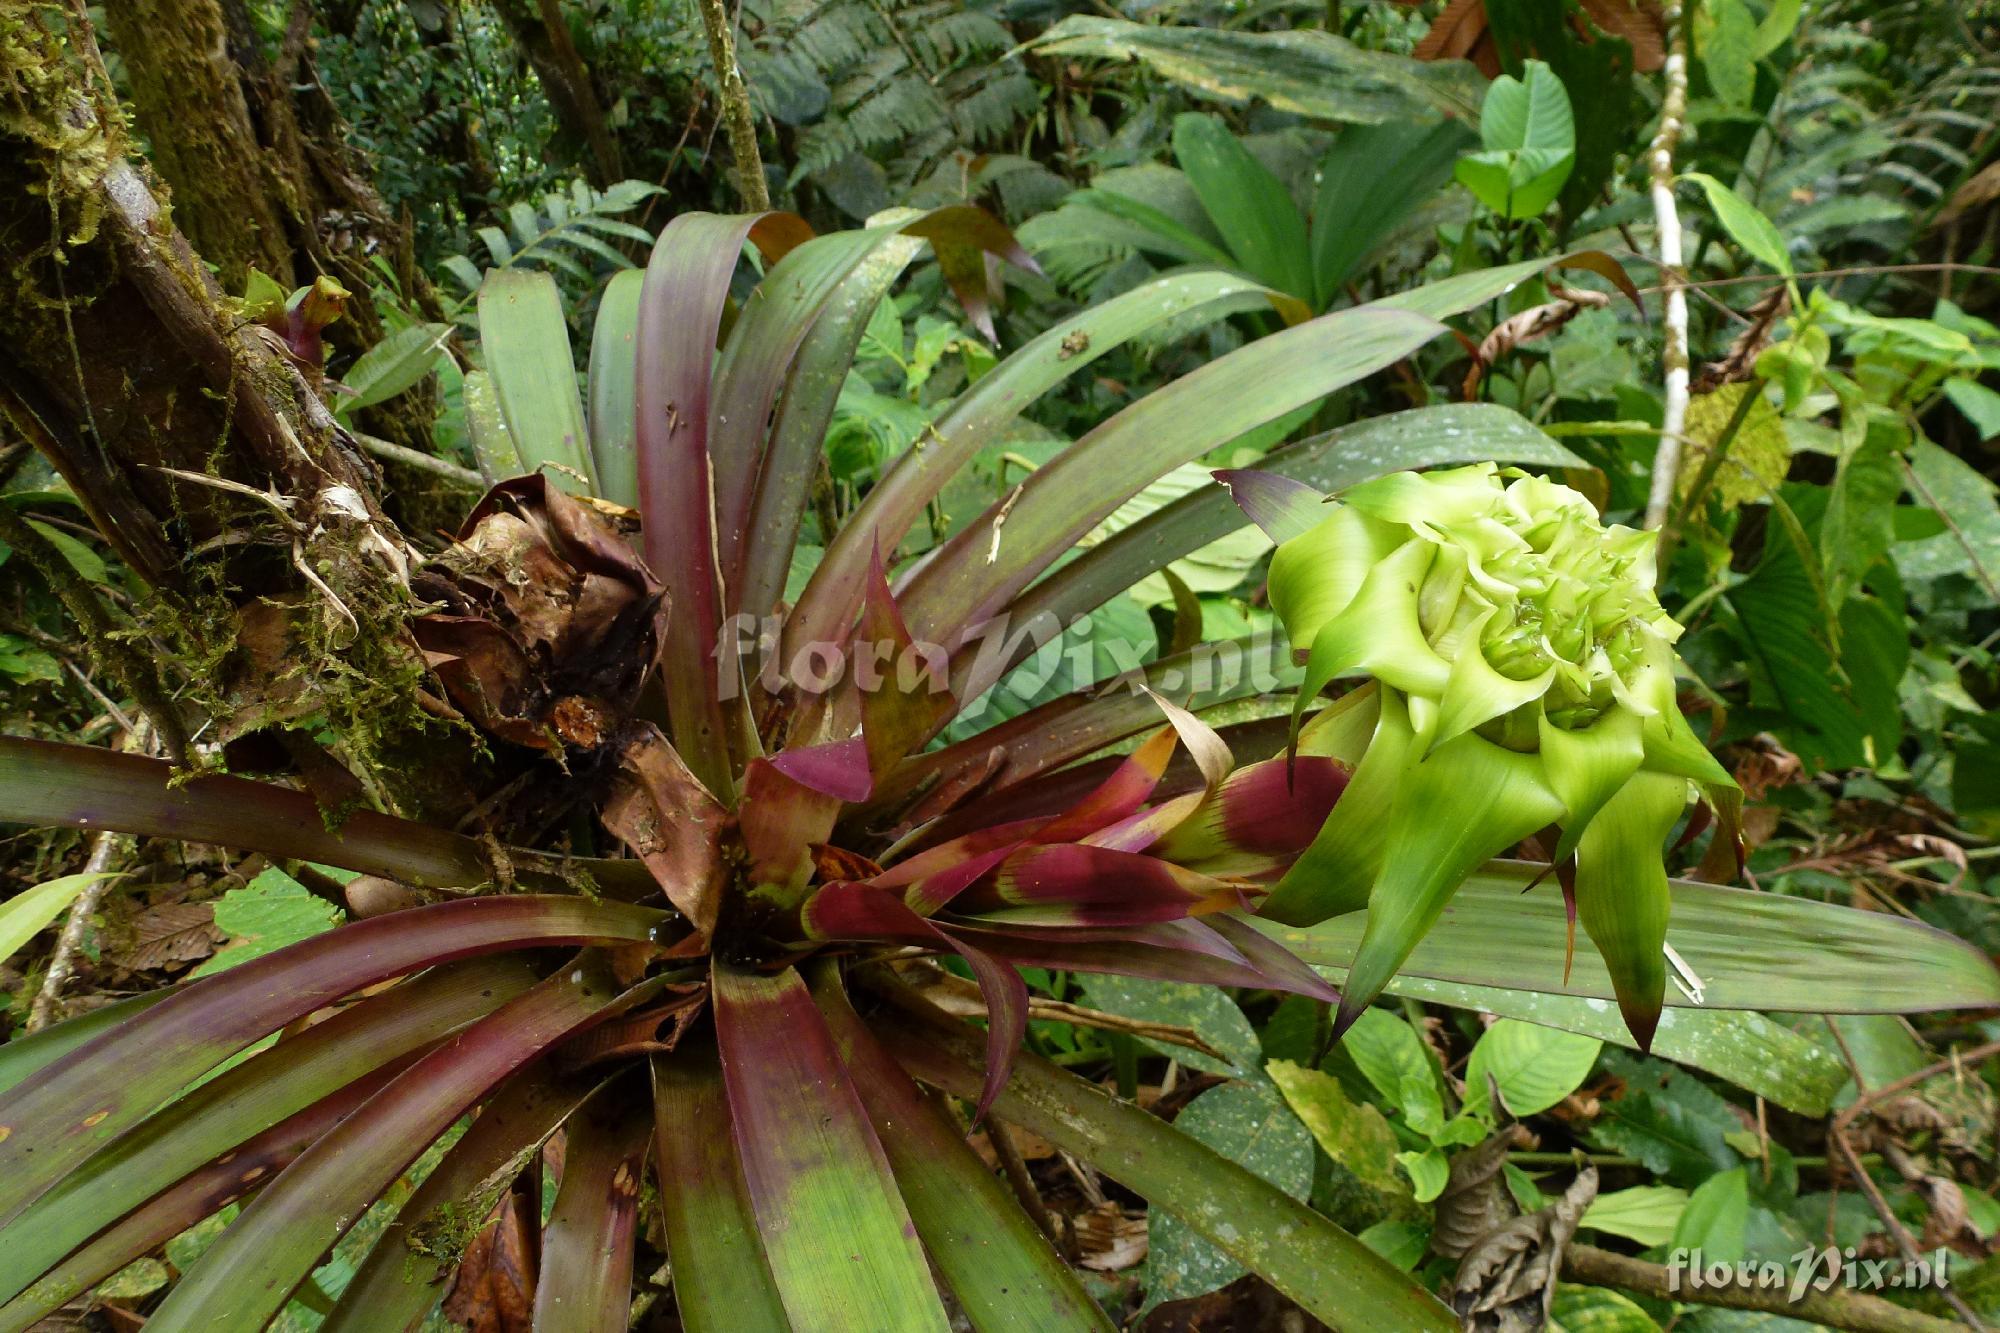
(1526, 674)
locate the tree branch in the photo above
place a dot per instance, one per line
(1834, 1307)
(736, 115)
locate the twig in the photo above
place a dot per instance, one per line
(960, 998)
(1016, 1168)
(1958, 533)
(1667, 224)
(1836, 1134)
(62, 962)
(422, 462)
(736, 113)
(1834, 1307)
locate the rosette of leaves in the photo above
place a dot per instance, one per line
(719, 1009)
(1523, 680)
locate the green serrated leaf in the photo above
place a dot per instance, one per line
(270, 912)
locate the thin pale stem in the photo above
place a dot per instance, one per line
(1667, 223)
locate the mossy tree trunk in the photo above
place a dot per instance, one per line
(253, 150)
(199, 449)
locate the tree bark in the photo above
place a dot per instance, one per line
(255, 152)
(538, 28)
(199, 449)
(190, 106)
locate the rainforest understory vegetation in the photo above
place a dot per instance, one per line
(1005, 665)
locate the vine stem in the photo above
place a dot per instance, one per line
(1667, 224)
(1834, 1307)
(737, 119)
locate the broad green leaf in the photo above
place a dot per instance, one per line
(1729, 51)
(1429, 1172)
(1250, 207)
(76, 554)
(1759, 453)
(1746, 226)
(1750, 950)
(1250, 1125)
(486, 429)
(1371, 180)
(24, 915)
(1970, 502)
(1334, 1276)
(398, 362)
(1392, 1057)
(1778, 24)
(1353, 1134)
(1747, 1049)
(270, 912)
(1206, 1009)
(1673, 1123)
(1529, 138)
(525, 345)
(1597, 1310)
(1535, 1066)
(1980, 404)
(1305, 71)
(1403, 1244)
(1715, 1218)
(614, 444)
(835, 1230)
(1644, 1213)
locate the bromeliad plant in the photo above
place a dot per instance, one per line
(725, 1001)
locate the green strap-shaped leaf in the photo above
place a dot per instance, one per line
(23, 915)
(585, 1283)
(83, 786)
(250, 1098)
(752, 367)
(22, 1056)
(1304, 71)
(614, 430)
(525, 344)
(396, 1283)
(998, 1264)
(978, 571)
(1250, 207)
(1329, 462)
(885, 517)
(249, 1272)
(62, 1114)
(722, 1282)
(798, 436)
(1746, 949)
(1323, 1268)
(217, 1183)
(486, 429)
(836, 1233)
(1747, 1049)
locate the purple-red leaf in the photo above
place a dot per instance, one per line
(64, 1112)
(84, 787)
(1283, 507)
(586, 1275)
